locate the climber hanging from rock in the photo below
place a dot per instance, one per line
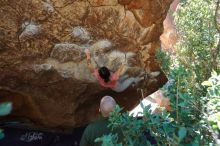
(117, 81)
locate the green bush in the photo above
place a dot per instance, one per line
(182, 127)
(198, 39)
(164, 60)
(186, 125)
(212, 105)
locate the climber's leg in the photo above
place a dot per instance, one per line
(121, 86)
(123, 78)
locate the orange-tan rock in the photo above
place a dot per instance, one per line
(169, 36)
(43, 68)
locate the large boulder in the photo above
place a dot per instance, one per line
(43, 69)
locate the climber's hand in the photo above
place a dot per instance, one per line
(88, 57)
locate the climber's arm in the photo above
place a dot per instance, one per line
(91, 68)
(120, 70)
(88, 59)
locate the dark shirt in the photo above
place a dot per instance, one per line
(95, 130)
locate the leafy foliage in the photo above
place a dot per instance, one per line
(109, 140)
(164, 60)
(132, 129)
(183, 129)
(5, 109)
(198, 39)
(213, 105)
(162, 127)
(213, 85)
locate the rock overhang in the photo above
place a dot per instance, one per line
(42, 61)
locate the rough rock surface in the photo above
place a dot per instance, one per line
(169, 36)
(43, 69)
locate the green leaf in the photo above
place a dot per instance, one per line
(214, 73)
(5, 108)
(182, 133)
(218, 123)
(2, 135)
(206, 83)
(195, 144)
(183, 104)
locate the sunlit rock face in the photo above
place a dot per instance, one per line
(43, 68)
(169, 36)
